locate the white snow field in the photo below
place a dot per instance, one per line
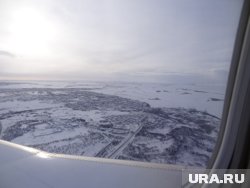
(152, 122)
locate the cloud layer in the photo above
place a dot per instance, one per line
(137, 39)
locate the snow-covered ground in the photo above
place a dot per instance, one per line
(154, 122)
(203, 97)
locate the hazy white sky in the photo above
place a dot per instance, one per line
(116, 39)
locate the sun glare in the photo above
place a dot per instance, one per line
(31, 32)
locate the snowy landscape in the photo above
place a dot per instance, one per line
(150, 122)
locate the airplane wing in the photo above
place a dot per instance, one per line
(24, 167)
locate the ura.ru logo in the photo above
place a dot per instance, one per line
(214, 178)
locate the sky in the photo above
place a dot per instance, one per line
(128, 40)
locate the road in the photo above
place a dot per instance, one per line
(126, 141)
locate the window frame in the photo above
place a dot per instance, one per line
(232, 126)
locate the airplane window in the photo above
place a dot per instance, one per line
(130, 80)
